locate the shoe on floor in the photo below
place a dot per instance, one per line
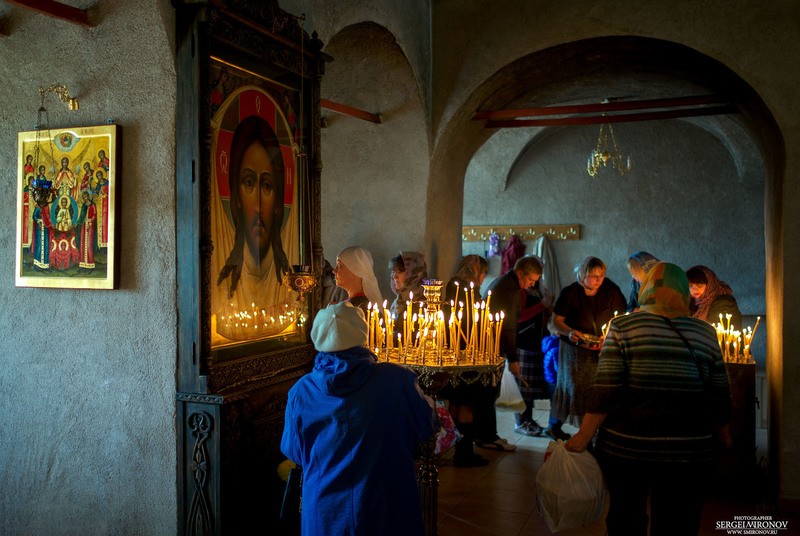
(498, 444)
(530, 429)
(557, 433)
(470, 460)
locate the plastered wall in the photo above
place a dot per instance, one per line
(87, 384)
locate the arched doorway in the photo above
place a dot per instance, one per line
(635, 68)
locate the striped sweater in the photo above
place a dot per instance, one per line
(662, 404)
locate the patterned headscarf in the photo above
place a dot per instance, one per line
(714, 288)
(645, 260)
(471, 268)
(665, 291)
(359, 261)
(416, 271)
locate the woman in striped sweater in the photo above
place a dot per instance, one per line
(659, 405)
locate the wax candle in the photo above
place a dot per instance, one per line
(500, 329)
(462, 336)
(451, 324)
(471, 300)
(482, 327)
(476, 332)
(473, 335)
(386, 318)
(408, 316)
(405, 326)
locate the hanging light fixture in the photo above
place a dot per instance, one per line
(303, 277)
(607, 152)
(63, 93)
(42, 185)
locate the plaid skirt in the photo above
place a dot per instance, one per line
(531, 380)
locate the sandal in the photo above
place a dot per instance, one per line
(498, 444)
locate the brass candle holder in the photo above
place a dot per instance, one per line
(466, 345)
(735, 344)
(301, 280)
(462, 348)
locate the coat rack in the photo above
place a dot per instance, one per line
(481, 233)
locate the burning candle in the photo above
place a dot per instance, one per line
(498, 331)
(482, 327)
(461, 333)
(405, 326)
(471, 297)
(408, 316)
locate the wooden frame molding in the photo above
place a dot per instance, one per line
(57, 10)
(608, 112)
(349, 110)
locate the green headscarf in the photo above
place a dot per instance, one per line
(665, 291)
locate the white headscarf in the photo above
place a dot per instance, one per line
(359, 261)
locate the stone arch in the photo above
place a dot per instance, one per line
(375, 169)
(581, 71)
(587, 71)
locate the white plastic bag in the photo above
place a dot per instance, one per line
(510, 398)
(569, 488)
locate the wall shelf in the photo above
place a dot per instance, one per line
(481, 233)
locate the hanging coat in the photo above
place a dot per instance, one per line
(514, 250)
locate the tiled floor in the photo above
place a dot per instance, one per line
(500, 499)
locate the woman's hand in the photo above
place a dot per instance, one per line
(578, 442)
(589, 425)
(574, 336)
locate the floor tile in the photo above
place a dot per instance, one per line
(481, 521)
(500, 499)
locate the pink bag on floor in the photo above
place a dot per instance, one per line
(569, 488)
(447, 435)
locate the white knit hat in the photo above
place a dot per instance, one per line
(339, 327)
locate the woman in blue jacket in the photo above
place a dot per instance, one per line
(352, 424)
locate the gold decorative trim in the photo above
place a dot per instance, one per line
(481, 233)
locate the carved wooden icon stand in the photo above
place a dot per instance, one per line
(238, 59)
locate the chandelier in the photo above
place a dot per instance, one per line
(607, 152)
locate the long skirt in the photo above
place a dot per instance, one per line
(577, 368)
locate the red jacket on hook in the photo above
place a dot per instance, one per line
(513, 251)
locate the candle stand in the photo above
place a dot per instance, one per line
(432, 378)
(737, 471)
(463, 348)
